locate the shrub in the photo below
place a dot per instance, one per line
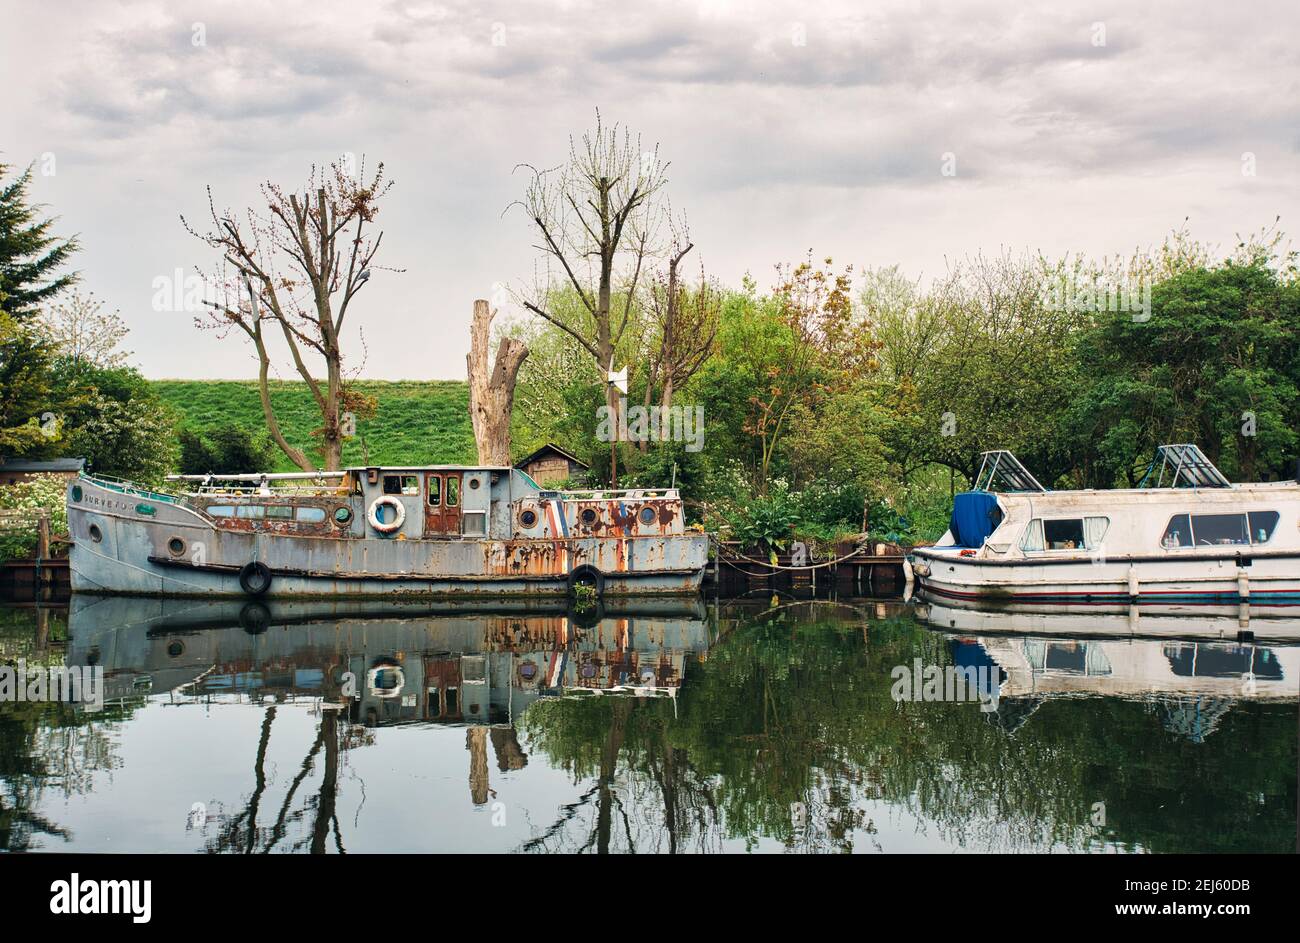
(765, 522)
(41, 491)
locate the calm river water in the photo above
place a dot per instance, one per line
(765, 724)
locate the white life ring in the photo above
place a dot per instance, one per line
(399, 514)
(372, 681)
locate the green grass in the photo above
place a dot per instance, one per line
(416, 423)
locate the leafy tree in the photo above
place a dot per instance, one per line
(224, 451)
(980, 362)
(782, 358)
(1214, 365)
(113, 418)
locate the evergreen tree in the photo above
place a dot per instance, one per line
(26, 391)
(30, 256)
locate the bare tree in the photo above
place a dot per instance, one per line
(298, 266)
(686, 321)
(492, 387)
(595, 216)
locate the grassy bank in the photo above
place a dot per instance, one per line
(424, 422)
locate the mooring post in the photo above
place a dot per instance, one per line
(42, 550)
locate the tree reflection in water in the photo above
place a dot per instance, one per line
(787, 731)
(782, 734)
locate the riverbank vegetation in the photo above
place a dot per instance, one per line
(831, 394)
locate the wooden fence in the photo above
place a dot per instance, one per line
(39, 577)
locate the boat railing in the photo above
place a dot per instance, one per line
(287, 484)
(124, 486)
(255, 491)
(613, 494)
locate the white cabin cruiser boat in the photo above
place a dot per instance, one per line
(1190, 539)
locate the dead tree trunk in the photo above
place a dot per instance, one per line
(492, 387)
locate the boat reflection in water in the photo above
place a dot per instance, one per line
(1221, 623)
(1196, 666)
(388, 663)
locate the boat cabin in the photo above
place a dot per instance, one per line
(1184, 501)
(429, 503)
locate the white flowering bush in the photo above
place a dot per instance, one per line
(40, 492)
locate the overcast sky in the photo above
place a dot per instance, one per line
(1081, 126)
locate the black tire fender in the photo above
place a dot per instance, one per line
(254, 618)
(586, 575)
(590, 617)
(255, 578)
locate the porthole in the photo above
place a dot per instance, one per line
(647, 515)
(342, 515)
(528, 670)
(527, 519)
(176, 546)
(474, 484)
(95, 533)
(589, 516)
(76, 492)
(176, 648)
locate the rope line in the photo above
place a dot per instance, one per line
(775, 566)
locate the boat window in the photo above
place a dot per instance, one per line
(250, 511)
(435, 491)
(1178, 533)
(1067, 534)
(475, 523)
(221, 510)
(280, 512)
(453, 491)
(1033, 539)
(401, 484)
(310, 515)
(1261, 526)
(1213, 530)
(1063, 535)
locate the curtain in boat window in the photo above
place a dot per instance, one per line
(1098, 663)
(1094, 531)
(1033, 539)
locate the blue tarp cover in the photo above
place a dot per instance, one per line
(975, 515)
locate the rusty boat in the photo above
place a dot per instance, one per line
(437, 531)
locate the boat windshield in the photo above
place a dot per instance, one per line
(1183, 466)
(1002, 471)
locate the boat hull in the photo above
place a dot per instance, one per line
(171, 550)
(1267, 583)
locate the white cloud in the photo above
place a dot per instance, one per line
(775, 146)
